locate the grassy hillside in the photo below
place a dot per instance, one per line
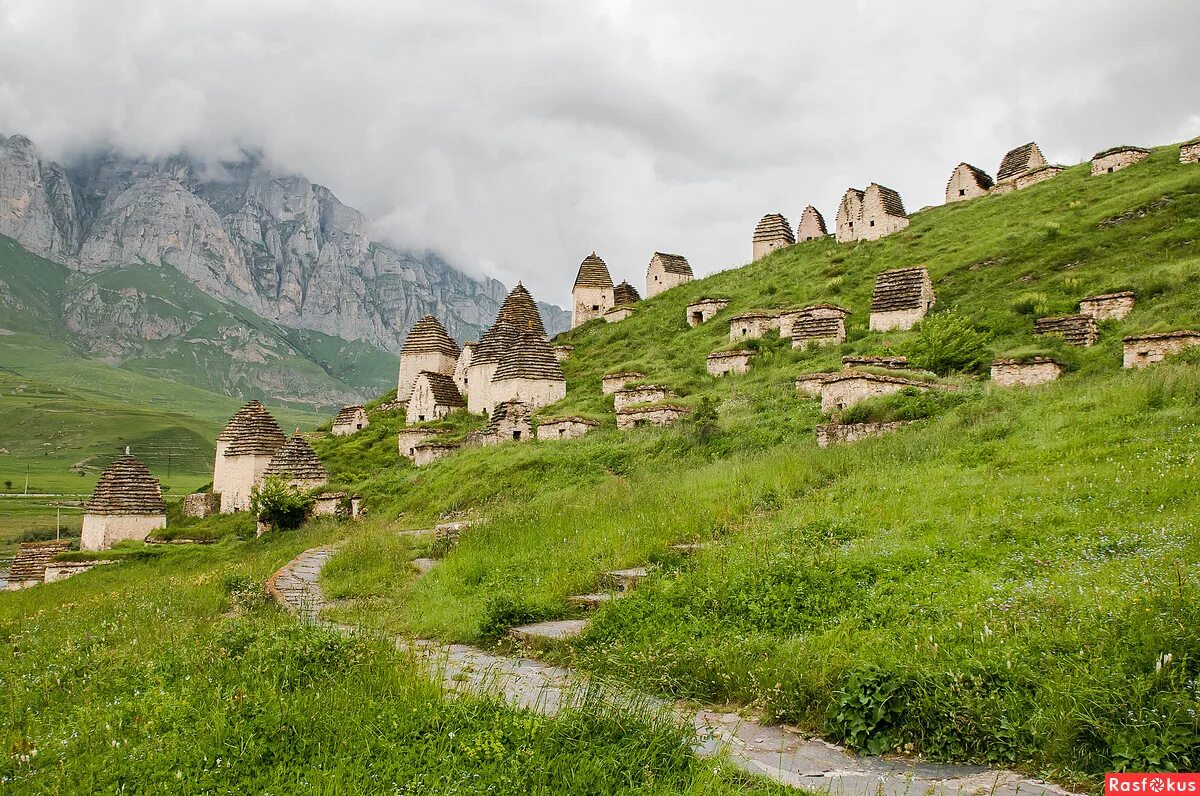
(1003, 581)
(170, 673)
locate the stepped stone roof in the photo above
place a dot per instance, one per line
(32, 558)
(568, 419)
(708, 300)
(521, 310)
(1077, 330)
(833, 307)
(899, 289)
(530, 358)
(1023, 158)
(1112, 150)
(674, 263)
(297, 461)
(738, 352)
(347, 414)
(625, 293)
(982, 178)
(891, 362)
(428, 336)
(812, 218)
(593, 273)
(1027, 361)
(126, 487)
(634, 374)
(1182, 333)
(754, 314)
(1117, 295)
(445, 391)
(252, 431)
(807, 326)
(495, 341)
(850, 375)
(773, 226)
(638, 409)
(890, 199)
(513, 411)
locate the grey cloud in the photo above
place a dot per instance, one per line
(517, 137)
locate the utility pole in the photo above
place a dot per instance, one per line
(27, 479)
(57, 521)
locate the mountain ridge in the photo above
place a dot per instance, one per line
(277, 244)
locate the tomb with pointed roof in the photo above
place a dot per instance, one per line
(665, 272)
(811, 226)
(434, 395)
(967, 182)
(1016, 162)
(902, 296)
(529, 372)
(592, 293)
(349, 420)
(772, 232)
(126, 504)
(428, 347)
(298, 464)
(244, 448)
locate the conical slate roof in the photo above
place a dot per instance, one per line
(347, 415)
(127, 487)
(521, 310)
(531, 358)
(625, 293)
(773, 226)
(495, 341)
(428, 336)
(32, 558)
(252, 431)
(593, 273)
(445, 391)
(297, 461)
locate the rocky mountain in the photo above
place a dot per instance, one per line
(279, 245)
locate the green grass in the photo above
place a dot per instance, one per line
(172, 674)
(996, 583)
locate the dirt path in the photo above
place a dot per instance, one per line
(775, 752)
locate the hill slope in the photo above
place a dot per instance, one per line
(988, 584)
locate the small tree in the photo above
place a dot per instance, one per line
(278, 504)
(8, 485)
(704, 419)
(947, 343)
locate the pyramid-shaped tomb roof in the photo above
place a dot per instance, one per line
(127, 487)
(624, 294)
(297, 461)
(674, 263)
(530, 358)
(521, 310)
(495, 341)
(32, 558)
(428, 336)
(811, 217)
(252, 431)
(593, 273)
(773, 226)
(981, 177)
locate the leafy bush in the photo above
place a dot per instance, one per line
(279, 504)
(870, 710)
(948, 343)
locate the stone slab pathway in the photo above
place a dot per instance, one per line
(778, 753)
(557, 630)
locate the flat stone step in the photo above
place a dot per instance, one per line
(557, 630)
(416, 534)
(423, 565)
(594, 600)
(625, 579)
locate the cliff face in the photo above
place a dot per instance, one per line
(278, 245)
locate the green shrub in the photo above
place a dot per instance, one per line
(948, 343)
(279, 504)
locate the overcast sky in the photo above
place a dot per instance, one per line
(516, 137)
